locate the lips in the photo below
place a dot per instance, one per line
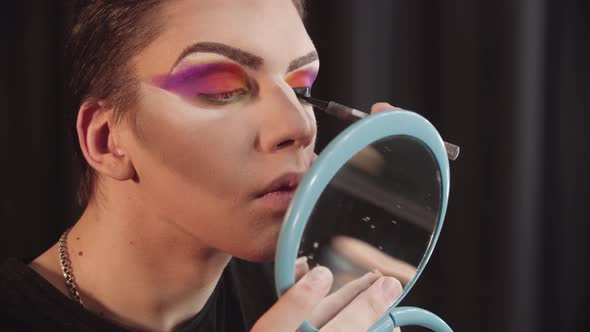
(284, 183)
(276, 196)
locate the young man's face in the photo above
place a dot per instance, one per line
(216, 126)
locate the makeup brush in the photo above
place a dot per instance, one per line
(350, 114)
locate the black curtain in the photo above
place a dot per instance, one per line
(39, 175)
(506, 80)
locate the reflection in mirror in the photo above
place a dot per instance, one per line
(379, 212)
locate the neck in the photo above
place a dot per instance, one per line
(140, 271)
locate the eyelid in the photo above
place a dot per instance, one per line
(235, 96)
(241, 90)
(204, 69)
(199, 77)
(302, 78)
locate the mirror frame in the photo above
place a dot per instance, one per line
(353, 139)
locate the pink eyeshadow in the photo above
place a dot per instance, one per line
(207, 78)
(302, 78)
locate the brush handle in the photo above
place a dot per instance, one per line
(350, 114)
(344, 112)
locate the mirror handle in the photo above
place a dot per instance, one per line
(410, 316)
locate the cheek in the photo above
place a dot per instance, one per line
(196, 167)
(314, 125)
(192, 148)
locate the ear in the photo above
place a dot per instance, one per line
(96, 135)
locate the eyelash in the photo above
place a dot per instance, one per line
(224, 98)
(228, 97)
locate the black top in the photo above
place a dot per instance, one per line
(28, 302)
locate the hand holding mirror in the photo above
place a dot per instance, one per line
(375, 199)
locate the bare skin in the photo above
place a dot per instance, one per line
(178, 183)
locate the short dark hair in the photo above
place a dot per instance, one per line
(104, 35)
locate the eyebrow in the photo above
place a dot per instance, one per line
(303, 60)
(242, 57)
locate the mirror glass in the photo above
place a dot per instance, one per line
(378, 212)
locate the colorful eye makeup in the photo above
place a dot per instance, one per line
(302, 78)
(221, 83)
(216, 83)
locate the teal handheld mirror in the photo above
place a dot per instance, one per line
(375, 198)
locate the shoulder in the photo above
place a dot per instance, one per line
(14, 274)
(28, 302)
(253, 287)
(15, 283)
(19, 283)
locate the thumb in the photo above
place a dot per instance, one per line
(380, 107)
(297, 303)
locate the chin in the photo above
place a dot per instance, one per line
(261, 258)
(263, 250)
(257, 256)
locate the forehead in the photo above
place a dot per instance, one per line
(271, 29)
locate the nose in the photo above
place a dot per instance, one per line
(285, 123)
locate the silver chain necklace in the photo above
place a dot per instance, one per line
(66, 268)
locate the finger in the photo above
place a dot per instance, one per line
(366, 256)
(297, 303)
(368, 307)
(301, 267)
(380, 107)
(335, 302)
(314, 157)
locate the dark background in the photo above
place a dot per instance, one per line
(507, 80)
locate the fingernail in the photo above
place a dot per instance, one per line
(371, 275)
(318, 276)
(301, 261)
(301, 267)
(391, 288)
